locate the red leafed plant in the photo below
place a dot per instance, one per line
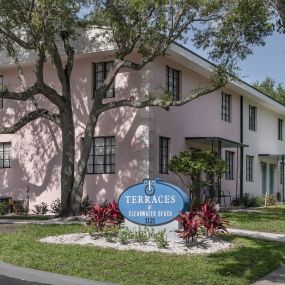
(211, 220)
(100, 216)
(190, 224)
(106, 214)
(116, 217)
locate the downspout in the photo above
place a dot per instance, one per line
(241, 148)
(283, 186)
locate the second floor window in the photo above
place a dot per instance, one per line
(5, 155)
(100, 72)
(1, 89)
(163, 155)
(172, 82)
(102, 156)
(252, 118)
(249, 168)
(229, 159)
(280, 129)
(226, 107)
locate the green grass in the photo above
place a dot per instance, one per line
(246, 262)
(264, 221)
(280, 209)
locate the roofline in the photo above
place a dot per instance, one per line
(214, 65)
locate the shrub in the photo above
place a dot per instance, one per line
(110, 233)
(211, 220)
(86, 205)
(4, 208)
(125, 236)
(41, 209)
(116, 217)
(141, 236)
(271, 200)
(19, 207)
(190, 224)
(56, 207)
(100, 216)
(160, 239)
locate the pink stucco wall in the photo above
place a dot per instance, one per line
(36, 149)
(199, 118)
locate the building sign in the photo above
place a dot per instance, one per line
(153, 202)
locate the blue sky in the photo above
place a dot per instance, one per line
(268, 60)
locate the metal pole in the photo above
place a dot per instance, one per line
(283, 186)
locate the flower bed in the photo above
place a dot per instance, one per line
(202, 245)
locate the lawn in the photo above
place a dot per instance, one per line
(131, 267)
(271, 219)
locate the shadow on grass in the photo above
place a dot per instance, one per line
(251, 259)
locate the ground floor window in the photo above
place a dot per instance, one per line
(102, 156)
(249, 168)
(5, 155)
(163, 155)
(229, 159)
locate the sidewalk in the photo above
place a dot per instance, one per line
(42, 277)
(277, 277)
(260, 235)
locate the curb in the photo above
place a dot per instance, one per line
(43, 277)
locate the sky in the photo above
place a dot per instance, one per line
(268, 60)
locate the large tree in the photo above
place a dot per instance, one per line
(41, 27)
(271, 88)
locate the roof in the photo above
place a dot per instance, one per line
(226, 143)
(204, 67)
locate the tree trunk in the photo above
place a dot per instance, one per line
(68, 153)
(75, 196)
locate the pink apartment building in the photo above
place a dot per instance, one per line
(129, 144)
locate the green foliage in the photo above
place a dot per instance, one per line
(19, 208)
(4, 208)
(271, 88)
(239, 26)
(125, 236)
(249, 200)
(56, 207)
(86, 205)
(141, 236)
(189, 165)
(41, 209)
(160, 239)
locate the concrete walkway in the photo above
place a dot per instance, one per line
(276, 277)
(23, 276)
(260, 235)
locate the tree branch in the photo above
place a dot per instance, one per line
(15, 39)
(159, 102)
(40, 113)
(21, 96)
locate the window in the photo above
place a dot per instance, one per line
(102, 156)
(249, 168)
(226, 107)
(163, 155)
(5, 155)
(101, 70)
(229, 159)
(1, 89)
(281, 173)
(172, 82)
(252, 118)
(280, 129)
